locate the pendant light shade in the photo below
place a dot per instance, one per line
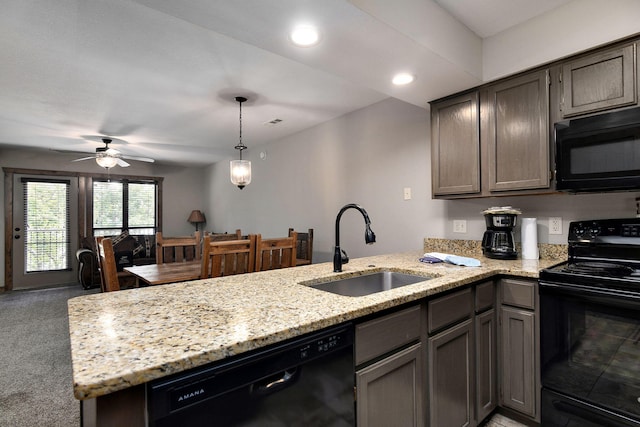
(240, 169)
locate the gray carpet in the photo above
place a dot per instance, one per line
(36, 386)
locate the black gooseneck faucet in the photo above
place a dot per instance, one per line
(369, 236)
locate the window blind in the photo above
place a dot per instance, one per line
(46, 225)
(124, 205)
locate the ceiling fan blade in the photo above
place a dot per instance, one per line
(140, 159)
(111, 152)
(84, 158)
(122, 163)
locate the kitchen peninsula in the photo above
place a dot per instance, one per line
(125, 339)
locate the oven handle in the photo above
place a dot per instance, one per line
(615, 297)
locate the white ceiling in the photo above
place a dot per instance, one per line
(162, 74)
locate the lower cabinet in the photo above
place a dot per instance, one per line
(451, 373)
(452, 359)
(389, 392)
(519, 336)
(390, 370)
(486, 363)
(518, 382)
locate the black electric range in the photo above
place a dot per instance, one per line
(604, 253)
(590, 328)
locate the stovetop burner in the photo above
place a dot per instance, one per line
(599, 269)
(602, 253)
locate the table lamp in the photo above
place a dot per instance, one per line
(196, 218)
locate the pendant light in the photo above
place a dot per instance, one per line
(240, 169)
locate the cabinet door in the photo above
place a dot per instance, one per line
(455, 145)
(486, 376)
(451, 373)
(599, 82)
(389, 392)
(516, 133)
(518, 360)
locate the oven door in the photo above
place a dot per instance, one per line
(590, 355)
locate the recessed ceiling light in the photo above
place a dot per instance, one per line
(305, 35)
(402, 79)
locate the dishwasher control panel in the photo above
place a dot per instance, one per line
(324, 345)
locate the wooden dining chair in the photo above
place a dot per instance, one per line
(276, 253)
(304, 246)
(219, 237)
(107, 265)
(228, 257)
(178, 249)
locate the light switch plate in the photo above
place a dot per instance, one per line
(407, 193)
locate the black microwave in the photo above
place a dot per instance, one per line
(599, 153)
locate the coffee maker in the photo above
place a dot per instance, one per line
(497, 241)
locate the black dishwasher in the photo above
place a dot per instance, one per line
(306, 381)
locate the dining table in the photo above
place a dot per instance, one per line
(160, 274)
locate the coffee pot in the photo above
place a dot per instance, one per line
(497, 241)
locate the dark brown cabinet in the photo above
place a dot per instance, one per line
(515, 133)
(389, 391)
(451, 360)
(599, 81)
(519, 343)
(486, 349)
(455, 145)
(493, 141)
(451, 373)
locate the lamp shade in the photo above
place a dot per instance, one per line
(196, 217)
(240, 173)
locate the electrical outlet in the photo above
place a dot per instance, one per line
(459, 225)
(407, 193)
(555, 225)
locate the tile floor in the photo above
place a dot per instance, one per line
(499, 420)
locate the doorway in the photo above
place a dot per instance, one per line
(45, 217)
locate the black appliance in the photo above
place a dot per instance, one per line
(307, 381)
(497, 241)
(590, 328)
(599, 153)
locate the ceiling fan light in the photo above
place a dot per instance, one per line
(106, 161)
(240, 173)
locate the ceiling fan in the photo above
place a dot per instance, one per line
(108, 157)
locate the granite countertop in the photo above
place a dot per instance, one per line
(126, 338)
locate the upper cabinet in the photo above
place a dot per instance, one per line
(515, 132)
(492, 141)
(599, 81)
(497, 139)
(455, 145)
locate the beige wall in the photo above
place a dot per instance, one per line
(365, 157)
(574, 27)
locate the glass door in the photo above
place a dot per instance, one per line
(44, 234)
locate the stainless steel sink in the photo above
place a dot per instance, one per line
(367, 284)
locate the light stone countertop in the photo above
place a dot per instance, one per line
(126, 338)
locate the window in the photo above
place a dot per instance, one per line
(120, 205)
(46, 225)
